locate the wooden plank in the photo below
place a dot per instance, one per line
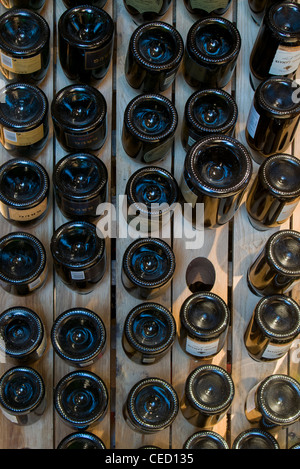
(40, 434)
(99, 300)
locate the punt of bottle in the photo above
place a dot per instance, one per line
(212, 48)
(85, 43)
(79, 114)
(79, 255)
(78, 336)
(153, 57)
(148, 267)
(255, 438)
(22, 395)
(151, 406)
(276, 269)
(206, 440)
(80, 185)
(23, 266)
(24, 57)
(81, 440)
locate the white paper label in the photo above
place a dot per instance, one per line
(287, 211)
(286, 61)
(77, 275)
(209, 5)
(275, 351)
(253, 121)
(143, 6)
(201, 349)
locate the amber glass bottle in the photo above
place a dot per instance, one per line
(275, 192)
(211, 52)
(277, 268)
(276, 49)
(208, 112)
(23, 56)
(203, 8)
(216, 173)
(274, 325)
(150, 123)
(153, 58)
(145, 12)
(273, 117)
(85, 43)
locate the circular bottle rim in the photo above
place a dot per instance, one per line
(211, 190)
(209, 434)
(263, 170)
(79, 312)
(77, 265)
(258, 312)
(81, 44)
(189, 115)
(78, 375)
(40, 249)
(83, 436)
(135, 391)
(261, 399)
(281, 33)
(29, 371)
(269, 252)
(197, 332)
(59, 167)
(132, 200)
(134, 46)
(39, 335)
(43, 112)
(193, 399)
(39, 169)
(269, 109)
(192, 43)
(43, 40)
(157, 138)
(142, 347)
(258, 432)
(69, 89)
(144, 241)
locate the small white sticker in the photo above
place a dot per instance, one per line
(77, 275)
(253, 121)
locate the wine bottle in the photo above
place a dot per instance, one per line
(153, 58)
(85, 43)
(148, 267)
(151, 406)
(150, 123)
(24, 120)
(211, 52)
(276, 49)
(209, 391)
(208, 112)
(275, 192)
(78, 337)
(217, 171)
(35, 5)
(152, 193)
(255, 438)
(204, 8)
(276, 269)
(22, 395)
(200, 275)
(149, 332)
(76, 3)
(205, 440)
(274, 325)
(204, 323)
(23, 263)
(81, 399)
(79, 255)
(274, 402)
(24, 192)
(147, 11)
(22, 336)
(80, 185)
(24, 46)
(273, 117)
(258, 9)
(79, 114)
(81, 440)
